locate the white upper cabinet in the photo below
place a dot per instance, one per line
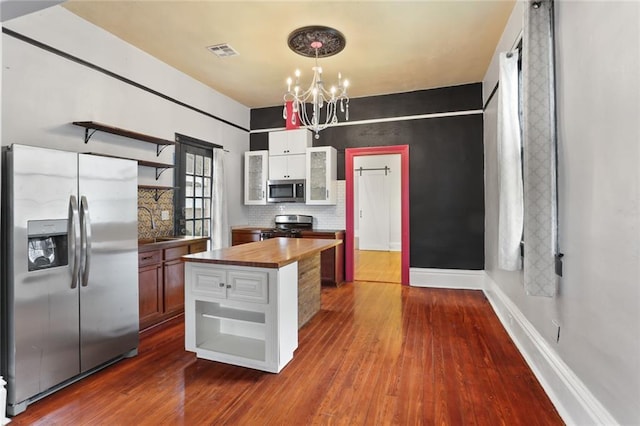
(289, 142)
(256, 170)
(286, 167)
(287, 153)
(321, 183)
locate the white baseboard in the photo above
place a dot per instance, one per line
(447, 278)
(574, 402)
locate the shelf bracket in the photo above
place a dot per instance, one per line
(159, 171)
(87, 135)
(157, 196)
(159, 149)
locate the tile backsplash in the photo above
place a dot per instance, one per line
(324, 217)
(146, 198)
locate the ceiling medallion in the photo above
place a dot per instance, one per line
(304, 41)
(316, 108)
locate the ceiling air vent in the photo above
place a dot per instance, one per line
(223, 50)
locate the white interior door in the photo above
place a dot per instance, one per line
(373, 215)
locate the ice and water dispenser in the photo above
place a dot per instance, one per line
(47, 243)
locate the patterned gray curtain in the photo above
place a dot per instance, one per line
(539, 142)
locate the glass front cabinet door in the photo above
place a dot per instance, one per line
(321, 175)
(256, 170)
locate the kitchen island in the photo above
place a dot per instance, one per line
(244, 304)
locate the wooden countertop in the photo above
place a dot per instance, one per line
(150, 244)
(271, 253)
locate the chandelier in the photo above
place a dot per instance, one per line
(316, 107)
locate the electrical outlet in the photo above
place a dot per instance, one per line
(557, 329)
(165, 215)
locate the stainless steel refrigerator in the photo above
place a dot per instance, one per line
(69, 276)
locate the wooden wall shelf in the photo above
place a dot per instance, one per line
(92, 125)
(160, 167)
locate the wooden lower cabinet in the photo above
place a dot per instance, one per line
(174, 286)
(150, 295)
(242, 236)
(161, 280)
(332, 260)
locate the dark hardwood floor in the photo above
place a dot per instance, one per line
(376, 354)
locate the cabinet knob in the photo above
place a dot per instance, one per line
(228, 285)
(221, 284)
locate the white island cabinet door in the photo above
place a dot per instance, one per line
(256, 170)
(321, 175)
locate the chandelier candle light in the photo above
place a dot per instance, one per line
(322, 104)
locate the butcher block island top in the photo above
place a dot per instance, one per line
(271, 253)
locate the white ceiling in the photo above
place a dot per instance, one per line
(392, 46)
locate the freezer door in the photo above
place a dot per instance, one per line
(109, 265)
(42, 319)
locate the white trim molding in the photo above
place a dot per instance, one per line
(386, 119)
(574, 402)
(447, 278)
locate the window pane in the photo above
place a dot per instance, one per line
(199, 167)
(197, 227)
(207, 208)
(188, 210)
(188, 190)
(207, 227)
(189, 228)
(198, 186)
(206, 187)
(190, 160)
(198, 208)
(207, 166)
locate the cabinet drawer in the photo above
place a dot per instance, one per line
(248, 286)
(209, 282)
(149, 257)
(198, 247)
(175, 252)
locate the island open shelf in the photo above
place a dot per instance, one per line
(236, 346)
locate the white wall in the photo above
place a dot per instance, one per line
(395, 205)
(43, 93)
(598, 308)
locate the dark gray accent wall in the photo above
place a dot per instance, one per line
(446, 166)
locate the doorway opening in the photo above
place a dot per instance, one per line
(377, 253)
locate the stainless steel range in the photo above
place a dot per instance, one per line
(288, 226)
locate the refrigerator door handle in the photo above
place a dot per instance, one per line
(85, 222)
(74, 232)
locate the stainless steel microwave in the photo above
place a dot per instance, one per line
(285, 191)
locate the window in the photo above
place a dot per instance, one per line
(192, 198)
